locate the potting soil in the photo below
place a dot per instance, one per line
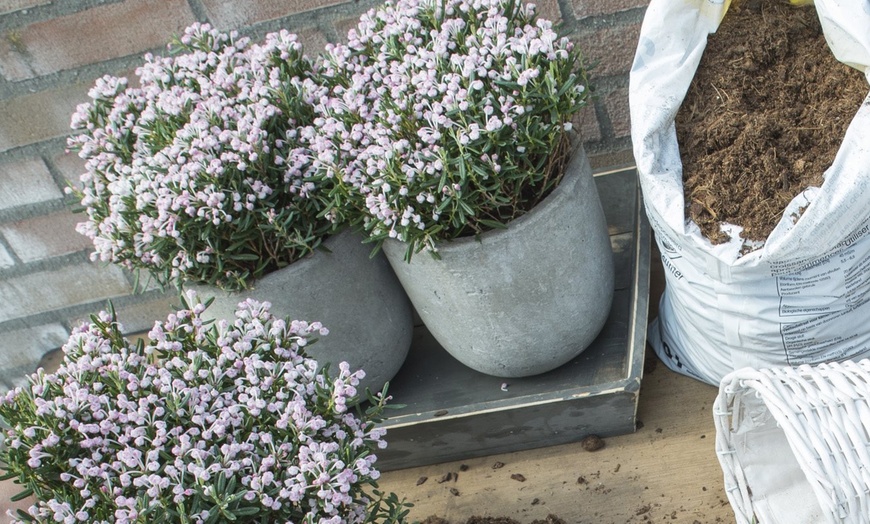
(763, 117)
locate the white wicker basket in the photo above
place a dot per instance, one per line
(794, 443)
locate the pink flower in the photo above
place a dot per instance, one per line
(421, 83)
(216, 119)
(238, 401)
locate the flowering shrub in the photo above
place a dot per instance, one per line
(446, 117)
(198, 172)
(197, 424)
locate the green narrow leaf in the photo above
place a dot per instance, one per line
(244, 256)
(21, 496)
(493, 224)
(569, 84)
(24, 516)
(9, 475)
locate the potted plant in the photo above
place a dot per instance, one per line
(198, 176)
(447, 130)
(197, 423)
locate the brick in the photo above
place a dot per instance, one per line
(10, 6)
(616, 103)
(26, 182)
(70, 166)
(549, 10)
(45, 236)
(94, 35)
(611, 48)
(140, 315)
(73, 285)
(22, 350)
(313, 41)
(588, 126)
(6, 259)
(343, 26)
(13, 63)
(587, 8)
(232, 14)
(39, 116)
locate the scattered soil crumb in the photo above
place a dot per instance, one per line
(454, 492)
(518, 477)
(551, 519)
(421, 480)
(602, 489)
(463, 467)
(592, 443)
(498, 465)
(446, 477)
(643, 509)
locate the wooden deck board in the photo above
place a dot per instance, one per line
(666, 471)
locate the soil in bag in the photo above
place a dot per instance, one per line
(763, 117)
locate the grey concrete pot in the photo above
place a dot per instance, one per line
(523, 300)
(356, 297)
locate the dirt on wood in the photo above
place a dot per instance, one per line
(763, 118)
(551, 519)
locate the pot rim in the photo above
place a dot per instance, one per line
(339, 238)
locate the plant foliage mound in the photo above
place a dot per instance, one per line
(446, 118)
(196, 424)
(197, 173)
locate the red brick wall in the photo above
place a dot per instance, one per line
(50, 54)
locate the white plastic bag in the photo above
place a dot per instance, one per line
(804, 297)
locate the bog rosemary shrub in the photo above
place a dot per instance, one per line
(197, 173)
(446, 117)
(196, 424)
